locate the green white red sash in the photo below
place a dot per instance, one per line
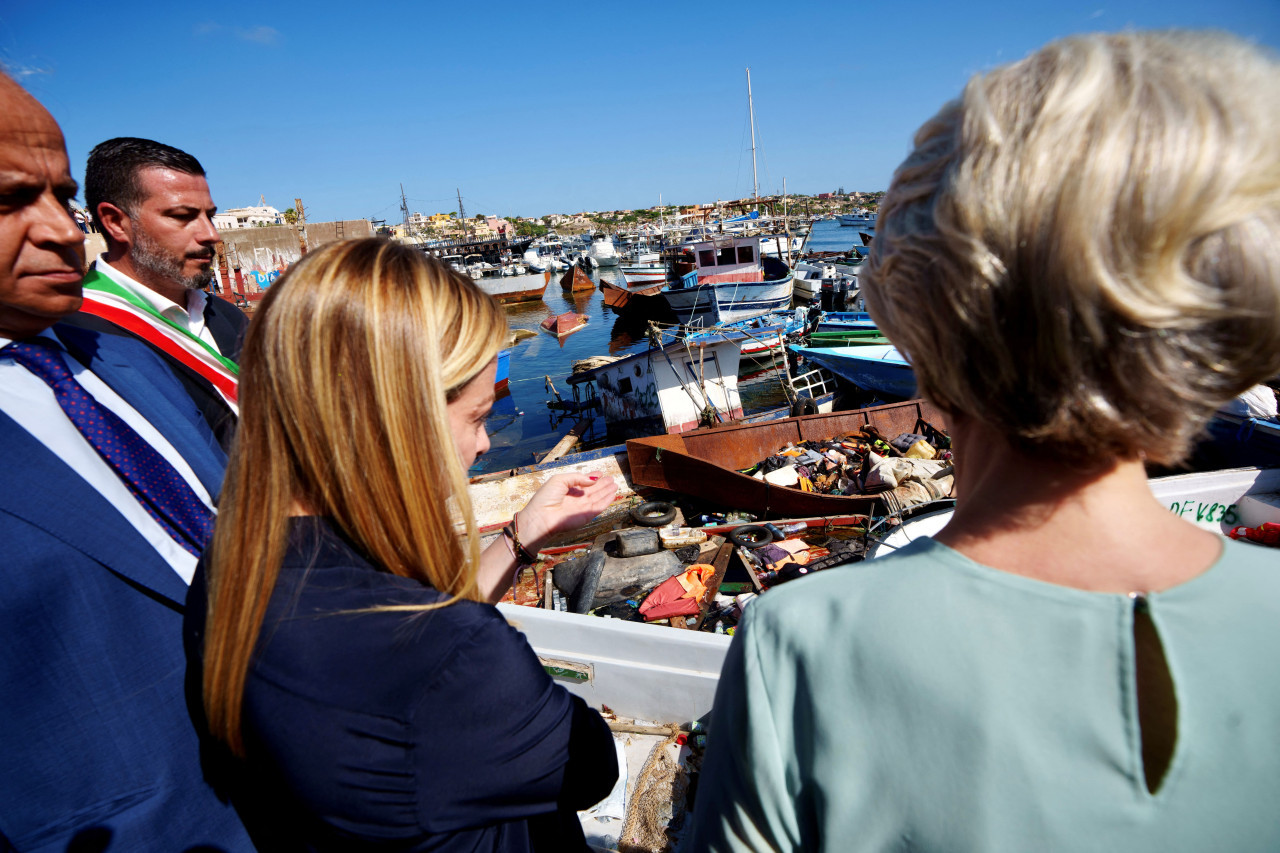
(105, 298)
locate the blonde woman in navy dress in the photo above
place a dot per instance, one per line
(360, 690)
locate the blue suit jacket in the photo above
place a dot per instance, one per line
(96, 745)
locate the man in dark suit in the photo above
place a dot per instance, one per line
(105, 500)
(152, 203)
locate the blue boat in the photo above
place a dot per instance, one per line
(843, 321)
(764, 335)
(881, 369)
(504, 370)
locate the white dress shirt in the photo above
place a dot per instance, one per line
(190, 317)
(30, 401)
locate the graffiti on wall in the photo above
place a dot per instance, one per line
(267, 265)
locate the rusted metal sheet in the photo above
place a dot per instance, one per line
(706, 463)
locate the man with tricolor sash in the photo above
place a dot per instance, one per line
(153, 206)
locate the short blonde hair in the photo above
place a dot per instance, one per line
(347, 369)
(1084, 250)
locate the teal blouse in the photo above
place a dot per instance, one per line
(926, 702)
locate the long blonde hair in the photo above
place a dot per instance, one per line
(348, 366)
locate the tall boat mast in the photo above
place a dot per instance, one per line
(755, 177)
(462, 217)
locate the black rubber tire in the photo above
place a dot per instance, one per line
(654, 514)
(750, 536)
(804, 405)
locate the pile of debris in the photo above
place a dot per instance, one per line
(851, 464)
(908, 470)
(689, 578)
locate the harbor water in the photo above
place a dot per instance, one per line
(521, 426)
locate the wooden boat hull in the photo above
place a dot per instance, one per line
(616, 296)
(514, 288)
(706, 463)
(564, 324)
(575, 280)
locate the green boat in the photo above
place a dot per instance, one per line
(847, 338)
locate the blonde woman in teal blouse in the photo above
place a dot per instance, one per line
(1081, 260)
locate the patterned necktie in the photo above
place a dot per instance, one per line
(156, 484)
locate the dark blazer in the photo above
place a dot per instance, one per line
(97, 751)
(227, 324)
(439, 731)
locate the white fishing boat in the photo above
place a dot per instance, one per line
(672, 388)
(730, 281)
(857, 220)
(781, 245)
(643, 274)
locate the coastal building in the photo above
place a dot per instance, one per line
(247, 217)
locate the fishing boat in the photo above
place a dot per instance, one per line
(881, 368)
(643, 273)
(707, 464)
(843, 321)
(514, 288)
(670, 388)
(857, 220)
(619, 296)
(564, 324)
(765, 335)
(730, 281)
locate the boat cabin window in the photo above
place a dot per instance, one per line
(727, 257)
(624, 385)
(706, 258)
(746, 255)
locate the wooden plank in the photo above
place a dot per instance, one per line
(751, 569)
(721, 565)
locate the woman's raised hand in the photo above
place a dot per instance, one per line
(563, 502)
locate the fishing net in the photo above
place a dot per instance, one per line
(658, 802)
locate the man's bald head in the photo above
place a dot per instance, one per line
(41, 248)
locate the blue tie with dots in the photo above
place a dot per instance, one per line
(155, 483)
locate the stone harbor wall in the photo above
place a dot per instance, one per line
(251, 259)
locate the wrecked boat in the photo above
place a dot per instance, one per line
(708, 464)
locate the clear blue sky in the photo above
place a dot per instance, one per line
(535, 108)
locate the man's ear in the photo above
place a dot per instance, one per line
(116, 225)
